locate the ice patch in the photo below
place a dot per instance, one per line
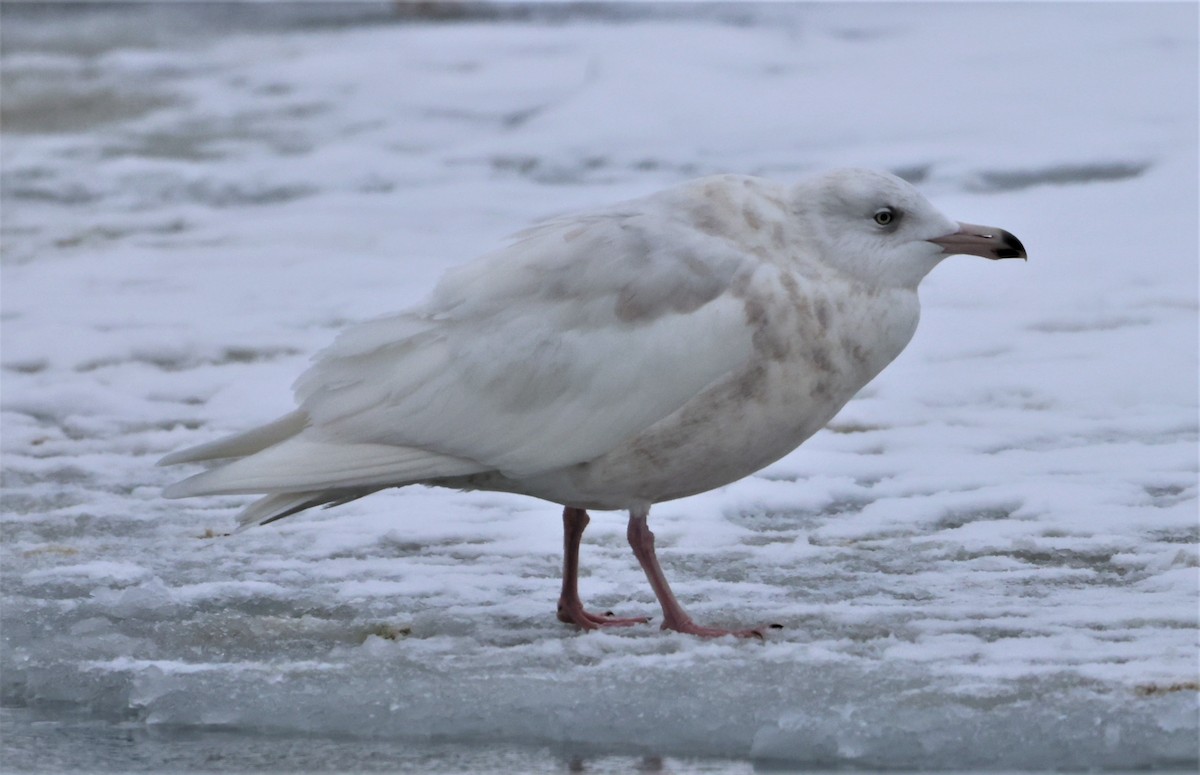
(996, 541)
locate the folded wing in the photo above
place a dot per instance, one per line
(544, 355)
(548, 353)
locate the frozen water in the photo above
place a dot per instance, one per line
(989, 559)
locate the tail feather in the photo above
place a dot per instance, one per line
(275, 507)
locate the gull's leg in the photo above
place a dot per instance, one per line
(570, 607)
(674, 617)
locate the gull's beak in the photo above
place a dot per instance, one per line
(981, 241)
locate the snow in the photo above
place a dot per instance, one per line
(995, 542)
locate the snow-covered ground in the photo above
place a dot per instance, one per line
(989, 559)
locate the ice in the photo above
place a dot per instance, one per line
(988, 560)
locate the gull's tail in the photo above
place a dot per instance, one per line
(295, 473)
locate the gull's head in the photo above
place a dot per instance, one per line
(877, 226)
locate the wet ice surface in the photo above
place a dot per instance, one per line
(995, 542)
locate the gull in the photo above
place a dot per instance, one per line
(613, 359)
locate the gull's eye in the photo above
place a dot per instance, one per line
(886, 216)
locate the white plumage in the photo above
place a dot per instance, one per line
(635, 354)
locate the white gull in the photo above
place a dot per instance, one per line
(614, 359)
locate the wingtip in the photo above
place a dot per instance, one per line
(176, 490)
(170, 459)
(198, 484)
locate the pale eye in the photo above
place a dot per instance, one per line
(886, 216)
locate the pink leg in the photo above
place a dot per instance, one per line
(570, 607)
(674, 617)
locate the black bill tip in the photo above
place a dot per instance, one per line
(1010, 246)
